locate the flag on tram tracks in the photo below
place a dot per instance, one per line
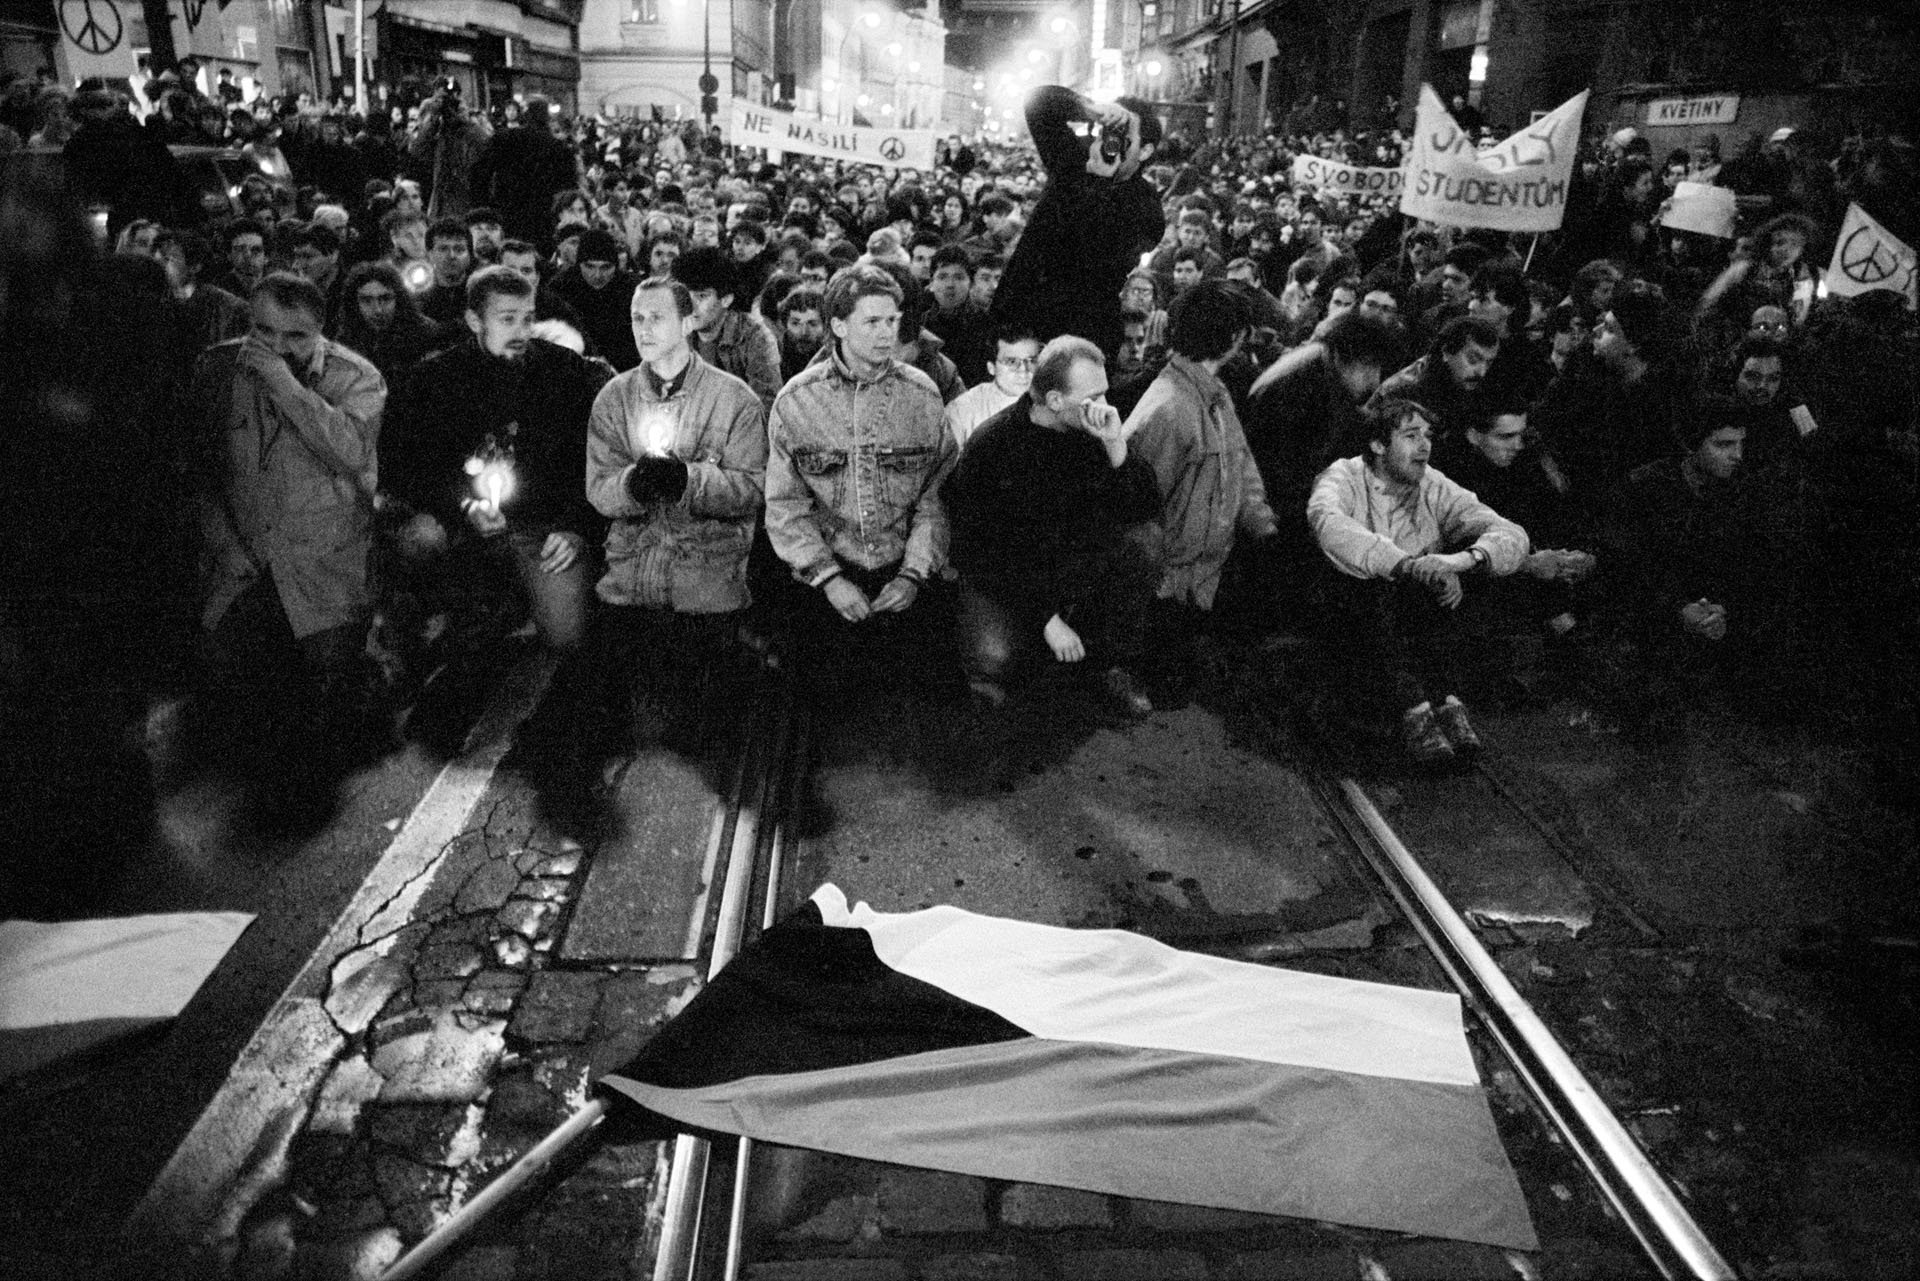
(1866, 256)
(1091, 1059)
(1518, 184)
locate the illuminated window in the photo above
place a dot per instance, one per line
(1149, 10)
(643, 11)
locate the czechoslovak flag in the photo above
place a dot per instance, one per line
(1092, 1059)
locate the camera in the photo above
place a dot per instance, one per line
(1113, 141)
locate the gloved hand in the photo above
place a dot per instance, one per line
(657, 480)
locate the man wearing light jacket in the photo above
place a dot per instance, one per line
(676, 459)
(1385, 520)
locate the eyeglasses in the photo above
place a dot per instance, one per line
(1016, 362)
(1771, 327)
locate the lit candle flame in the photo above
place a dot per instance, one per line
(492, 481)
(656, 432)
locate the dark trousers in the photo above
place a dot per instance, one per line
(910, 648)
(1391, 644)
(1112, 596)
(666, 669)
(308, 691)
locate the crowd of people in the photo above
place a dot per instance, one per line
(1082, 403)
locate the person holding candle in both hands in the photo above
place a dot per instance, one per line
(676, 459)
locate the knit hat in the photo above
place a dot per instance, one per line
(1624, 136)
(598, 245)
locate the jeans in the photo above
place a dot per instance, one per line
(1392, 642)
(558, 601)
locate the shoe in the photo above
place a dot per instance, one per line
(985, 696)
(1120, 689)
(1451, 716)
(1426, 742)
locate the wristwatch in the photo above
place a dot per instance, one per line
(1480, 558)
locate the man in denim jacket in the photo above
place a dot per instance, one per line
(857, 448)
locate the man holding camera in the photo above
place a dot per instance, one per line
(1091, 224)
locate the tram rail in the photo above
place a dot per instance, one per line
(708, 1195)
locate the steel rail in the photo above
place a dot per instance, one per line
(686, 1213)
(1672, 1241)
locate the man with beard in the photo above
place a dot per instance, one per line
(1448, 380)
(487, 444)
(802, 331)
(1091, 224)
(1383, 520)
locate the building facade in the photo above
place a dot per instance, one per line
(849, 60)
(1259, 64)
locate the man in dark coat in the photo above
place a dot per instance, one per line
(522, 170)
(1092, 223)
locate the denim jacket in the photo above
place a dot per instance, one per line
(688, 554)
(854, 471)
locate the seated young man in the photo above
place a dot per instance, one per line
(1494, 461)
(1692, 575)
(1384, 520)
(1041, 504)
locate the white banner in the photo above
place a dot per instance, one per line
(784, 131)
(1698, 206)
(95, 39)
(1519, 184)
(1867, 256)
(1347, 180)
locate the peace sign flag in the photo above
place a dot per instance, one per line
(1867, 256)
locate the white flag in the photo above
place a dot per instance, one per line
(1519, 184)
(1867, 256)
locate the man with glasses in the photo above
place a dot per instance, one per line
(1041, 505)
(1009, 374)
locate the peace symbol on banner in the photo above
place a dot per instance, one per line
(892, 148)
(1867, 259)
(94, 26)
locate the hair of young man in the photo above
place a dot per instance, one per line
(748, 229)
(482, 216)
(996, 204)
(1468, 257)
(1693, 429)
(1010, 332)
(1197, 257)
(387, 274)
(1422, 236)
(495, 282)
(1508, 287)
(815, 259)
(449, 229)
(1357, 339)
(1751, 348)
(1190, 217)
(952, 256)
(924, 239)
(1203, 323)
(682, 296)
(1593, 273)
(706, 267)
(243, 227)
(293, 291)
(1383, 281)
(1461, 330)
(1389, 416)
(394, 219)
(1053, 367)
(801, 298)
(324, 239)
(851, 284)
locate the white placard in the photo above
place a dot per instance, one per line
(1696, 206)
(784, 131)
